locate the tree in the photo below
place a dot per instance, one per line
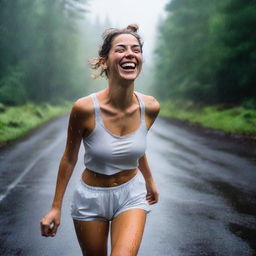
(206, 51)
(41, 50)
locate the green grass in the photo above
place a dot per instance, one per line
(236, 120)
(16, 121)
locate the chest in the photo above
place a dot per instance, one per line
(121, 123)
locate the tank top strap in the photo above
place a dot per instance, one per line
(142, 106)
(96, 107)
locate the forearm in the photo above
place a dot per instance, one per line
(145, 169)
(65, 171)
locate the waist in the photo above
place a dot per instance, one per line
(95, 179)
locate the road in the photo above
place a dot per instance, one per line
(207, 194)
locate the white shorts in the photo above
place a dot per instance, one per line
(105, 203)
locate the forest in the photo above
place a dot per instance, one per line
(206, 52)
(205, 56)
(44, 48)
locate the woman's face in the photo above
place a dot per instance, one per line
(124, 59)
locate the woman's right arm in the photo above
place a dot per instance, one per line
(51, 221)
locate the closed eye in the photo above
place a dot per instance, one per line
(136, 50)
(119, 50)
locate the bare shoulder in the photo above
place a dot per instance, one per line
(83, 107)
(81, 116)
(152, 106)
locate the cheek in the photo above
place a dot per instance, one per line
(113, 61)
(140, 59)
(141, 63)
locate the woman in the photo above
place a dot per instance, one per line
(113, 125)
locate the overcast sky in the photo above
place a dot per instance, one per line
(145, 13)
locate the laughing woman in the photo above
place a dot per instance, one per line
(117, 186)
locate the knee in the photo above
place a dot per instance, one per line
(122, 252)
(94, 253)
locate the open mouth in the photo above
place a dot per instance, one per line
(128, 65)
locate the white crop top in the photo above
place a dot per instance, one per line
(107, 153)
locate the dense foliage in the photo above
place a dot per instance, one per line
(206, 52)
(42, 50)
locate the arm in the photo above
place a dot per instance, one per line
(51, 221)
(152, 191)
(152, 110)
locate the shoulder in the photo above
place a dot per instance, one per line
(152, 106)
(81, 118)
(83, 107)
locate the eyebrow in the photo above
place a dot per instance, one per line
(124, 45)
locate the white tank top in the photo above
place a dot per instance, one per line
(107, 153)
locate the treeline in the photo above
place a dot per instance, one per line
(44, 47)
(206, 52)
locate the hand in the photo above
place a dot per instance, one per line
(152, 192)
(50, 222)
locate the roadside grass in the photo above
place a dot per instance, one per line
(16, 121)
(235, 120)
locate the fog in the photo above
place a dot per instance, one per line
(145, 13)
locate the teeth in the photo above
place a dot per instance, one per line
(132, 65)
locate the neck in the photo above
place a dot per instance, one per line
(120, 95)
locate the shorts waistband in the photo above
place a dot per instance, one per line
(129, 182)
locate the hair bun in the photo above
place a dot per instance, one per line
(133, 27)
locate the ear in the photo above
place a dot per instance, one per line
(103, 63)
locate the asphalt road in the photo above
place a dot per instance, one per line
(207, 195)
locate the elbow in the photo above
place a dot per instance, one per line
(70, 160)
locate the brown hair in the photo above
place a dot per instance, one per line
(108, 36)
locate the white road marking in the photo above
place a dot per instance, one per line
(29, 167)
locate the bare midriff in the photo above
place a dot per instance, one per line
(100, 180)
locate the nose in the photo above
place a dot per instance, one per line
(129, 53)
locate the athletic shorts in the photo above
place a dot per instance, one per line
(105, 203)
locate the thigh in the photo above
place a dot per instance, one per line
(126, 232)
(92, 237)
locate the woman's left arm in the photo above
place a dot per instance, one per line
(152, 108)
(152, 191)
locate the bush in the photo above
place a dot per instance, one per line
(249, 103)
(12, 91)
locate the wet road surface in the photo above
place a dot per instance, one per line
(207, 195)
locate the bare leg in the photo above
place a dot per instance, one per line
(126, 232)
(92, 237)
